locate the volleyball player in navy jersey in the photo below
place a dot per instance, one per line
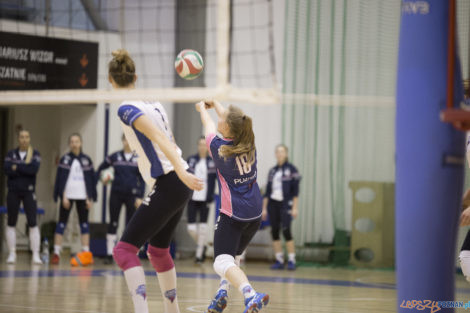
(147, 129)
(234, 156)
(128, 188)
(21, 167)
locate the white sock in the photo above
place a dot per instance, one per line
(280, 257)
(11, 239)
(110, 242)
(34, 239)
(57, 249)
(86, 248)
(192, 231)
(135, 279)
(291, 257)
(201, 239)
(246, 290)
(224, 285)
(167, 282)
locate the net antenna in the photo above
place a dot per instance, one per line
(223, 89)
(459, 117)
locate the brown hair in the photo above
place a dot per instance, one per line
(121, 68)
(241, 128)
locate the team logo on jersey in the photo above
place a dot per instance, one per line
(85, 162)
(141, 290)
(119, 157)
(126, 114)
(287, 172)
(170, 295)
(210, 163)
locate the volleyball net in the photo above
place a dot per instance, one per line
(235, 39)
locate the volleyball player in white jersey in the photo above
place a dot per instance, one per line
(148, 132)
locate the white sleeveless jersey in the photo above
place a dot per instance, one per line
(151, 160)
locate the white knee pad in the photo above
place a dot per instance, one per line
(465, 263)
(222, 263)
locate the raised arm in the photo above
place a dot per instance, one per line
(219, 108)
(145, 126)
(207, 122)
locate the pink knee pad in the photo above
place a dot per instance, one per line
(160, 259)
(125, 255)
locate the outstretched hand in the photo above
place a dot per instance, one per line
(191, 181)
(200, 105)
(209, 104)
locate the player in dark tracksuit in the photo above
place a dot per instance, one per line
(280, 203)
(74, 184)
(127, 189)
(201, 165)
(21, 167)
(240, 214)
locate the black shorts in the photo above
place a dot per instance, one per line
(14, 199)
(279, 216)
(116, 200)
(156, 219)
(195, 208)
(231, 236)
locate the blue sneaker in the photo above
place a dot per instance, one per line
(277, 266)
(256, 303)
(291, 266)
(219, 303)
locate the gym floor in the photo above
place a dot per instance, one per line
(102, 288)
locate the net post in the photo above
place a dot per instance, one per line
(223, 43)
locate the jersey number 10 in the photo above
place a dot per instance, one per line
(244, 167)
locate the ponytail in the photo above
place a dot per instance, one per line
(241, 128)
(121, 68)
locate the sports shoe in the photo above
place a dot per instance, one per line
(11, 258)
(256, 303)
(36, 259)
(83, 258)
(277, 266)
(55, 259)
(291, 266)
(219, 303)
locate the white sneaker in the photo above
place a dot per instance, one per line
(11, 258)
(36, 259)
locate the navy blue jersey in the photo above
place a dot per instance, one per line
(24, 177)
(63, 171)
(127, 179)
(290, 182)
(241, 197)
